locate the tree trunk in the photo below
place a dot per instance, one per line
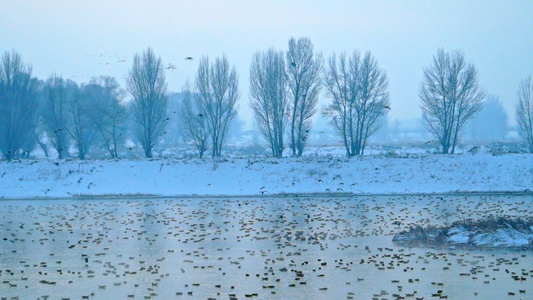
(43, 147)
(148, 153)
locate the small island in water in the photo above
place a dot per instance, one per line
(510, 233)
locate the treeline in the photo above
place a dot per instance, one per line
(57, 113)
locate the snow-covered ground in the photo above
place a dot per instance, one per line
(372, 174)
(488, 233)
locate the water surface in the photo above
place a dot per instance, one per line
(268, 248)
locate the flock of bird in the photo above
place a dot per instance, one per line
(263, 248)
(108, 59)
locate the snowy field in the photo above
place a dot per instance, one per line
(320, 174)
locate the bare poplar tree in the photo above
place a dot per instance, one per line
(192, 121)
(268, 89)
(55, 114)
(218, 92)
(18, 105)
(359, 92)
(303, 75)
(146, 83)
(450, 95)
(107, 112)
(80, 126)
(524, 111)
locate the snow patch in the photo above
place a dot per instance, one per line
(458, 235)
(489, 233)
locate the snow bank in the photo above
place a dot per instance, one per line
(257, 176)
(504, 237)
(490, 233)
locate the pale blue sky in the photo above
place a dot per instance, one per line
(68, 37)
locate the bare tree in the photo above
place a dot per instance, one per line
(192, 121)
(55, 113)
(146, 83)
(524, 111)
(81, 127)
(218, 92)
(359, 92)
(18, 105)
(107, 111)
(268, 89)
(450, 95)
(303, 75)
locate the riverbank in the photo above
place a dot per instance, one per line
(410, 174)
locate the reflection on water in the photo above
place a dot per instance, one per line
(280, 248)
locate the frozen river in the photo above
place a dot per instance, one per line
(264, 248)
